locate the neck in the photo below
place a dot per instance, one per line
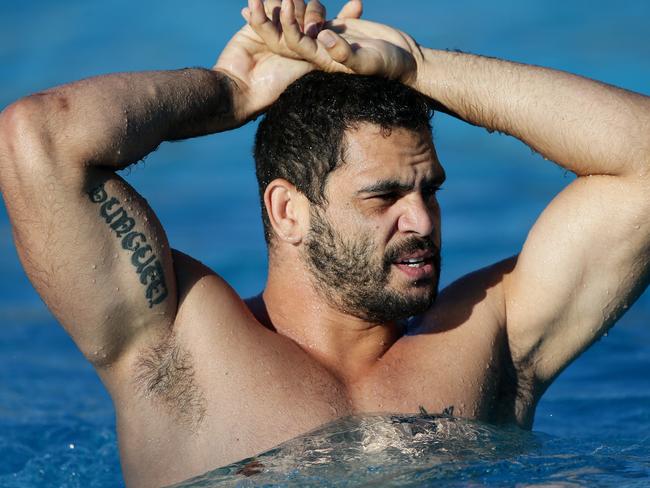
(346, 345)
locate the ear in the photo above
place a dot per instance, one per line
(288, 210)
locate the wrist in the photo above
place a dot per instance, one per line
(427, 73)
(240, 107)
(228, 102)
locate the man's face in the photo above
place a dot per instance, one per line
(374, 249)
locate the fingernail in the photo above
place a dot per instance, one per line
(327, 38)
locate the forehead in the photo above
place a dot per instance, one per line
(403, 154)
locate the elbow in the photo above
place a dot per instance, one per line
(24, 116)
(27, 135)
(22, 125)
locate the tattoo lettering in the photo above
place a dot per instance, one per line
(447, 412)
(144, 260)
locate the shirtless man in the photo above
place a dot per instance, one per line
(200, 378)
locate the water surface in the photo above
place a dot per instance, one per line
(593, 425)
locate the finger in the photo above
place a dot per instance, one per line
(299, 8)
(371, 56)
(337, 47)
(351, 10)
(358, 61)
(272, 9)
(364, 28)
(261, 24)
(303, 45)
(289, 22)
(314, 18)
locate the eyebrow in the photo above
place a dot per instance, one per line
(390, 186)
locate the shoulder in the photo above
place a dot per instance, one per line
(208, 308)
(202, 292)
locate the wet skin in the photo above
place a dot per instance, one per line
(201, 378)
(380, 256)
(296, 361)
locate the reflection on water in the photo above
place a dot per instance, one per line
(56, 420)
(440, 451)
(386, 449)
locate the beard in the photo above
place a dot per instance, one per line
(347, 272)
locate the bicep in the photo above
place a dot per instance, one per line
(584, 263)
(97, 255)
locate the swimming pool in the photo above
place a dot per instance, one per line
(593, 426)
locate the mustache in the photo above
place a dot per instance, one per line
(408, 246)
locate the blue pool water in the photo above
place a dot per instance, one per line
(593, 425)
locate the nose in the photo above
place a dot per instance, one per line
(417, 217)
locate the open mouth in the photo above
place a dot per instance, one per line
(415, 262)
(416, 265)
(415, 259)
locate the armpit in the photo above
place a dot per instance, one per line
(165, 375)
(518, 393)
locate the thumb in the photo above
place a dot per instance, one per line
(360, 61)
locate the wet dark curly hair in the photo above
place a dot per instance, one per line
(301, 139)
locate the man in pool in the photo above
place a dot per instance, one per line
(348, 178)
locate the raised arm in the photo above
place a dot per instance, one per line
(91, 245)
(588, 256)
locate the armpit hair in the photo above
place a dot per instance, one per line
(165, 373)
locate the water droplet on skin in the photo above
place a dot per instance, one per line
(94, 266)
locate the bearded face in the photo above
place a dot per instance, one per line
(363, 280)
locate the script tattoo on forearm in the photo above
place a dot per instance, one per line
(146, 263)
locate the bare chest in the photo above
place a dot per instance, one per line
(258, 393)
(278, 395)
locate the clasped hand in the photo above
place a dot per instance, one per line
(285, 39)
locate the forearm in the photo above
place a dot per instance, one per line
(117, 119)
(585, 126)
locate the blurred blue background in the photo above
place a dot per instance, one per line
(56, 421)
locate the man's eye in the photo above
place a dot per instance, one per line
(387, 197)
(430, 191)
